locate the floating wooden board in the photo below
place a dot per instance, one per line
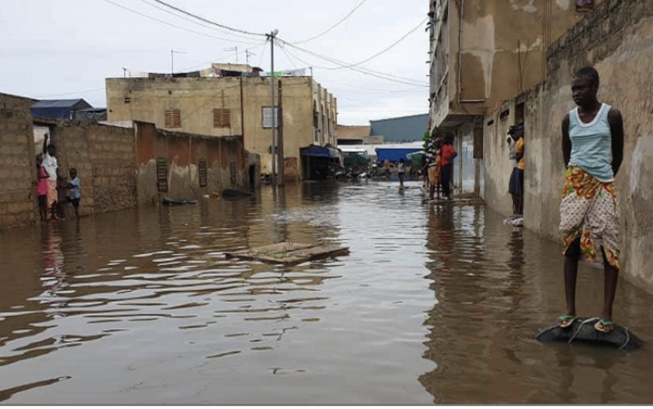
(287, 253)
(582, 330)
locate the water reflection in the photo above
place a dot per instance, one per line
(496, 287)
(434, 303)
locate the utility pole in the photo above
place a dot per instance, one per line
(272, 36)
(280, 159)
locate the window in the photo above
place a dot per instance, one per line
(173, 118)
(267, 117)
(162, 175)
(221, 118)
(203, 174)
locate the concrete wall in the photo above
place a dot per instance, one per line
(305, 104)
(104, 159)
(617, 38)
(183, 153)
(17, 163)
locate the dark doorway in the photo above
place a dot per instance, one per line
(252, 177)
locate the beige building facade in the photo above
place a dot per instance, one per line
(482, 53)
(617, 39)
(231, 107)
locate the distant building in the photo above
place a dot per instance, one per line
(58, 108)
(356, 135)
(401, 129)
(224, 103)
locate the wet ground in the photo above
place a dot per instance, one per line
(434, 304)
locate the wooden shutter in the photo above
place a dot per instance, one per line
(221, 118)
(162, 175)
(203, 173)
(173, 118)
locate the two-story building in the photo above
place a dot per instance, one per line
(231, 104)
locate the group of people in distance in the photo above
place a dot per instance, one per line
(438, 166)
(52, 189)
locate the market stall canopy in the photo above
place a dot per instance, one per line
(320, 152)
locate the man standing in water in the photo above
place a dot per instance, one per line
(592, 147)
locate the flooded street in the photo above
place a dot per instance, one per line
(432, 305)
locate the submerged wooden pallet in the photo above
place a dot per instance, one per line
(288, 253)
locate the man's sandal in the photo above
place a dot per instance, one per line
(565, 321)
(604, 326)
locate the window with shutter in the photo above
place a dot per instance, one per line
(221, 118)
(172, 118)
(203, 173)
(162, 175)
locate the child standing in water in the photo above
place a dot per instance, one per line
(74, 193)
(592, 147)
(401, 172)
(42, 187)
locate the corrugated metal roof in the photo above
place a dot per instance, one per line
(62, 103)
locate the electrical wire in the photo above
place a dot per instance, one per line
(237, 30)
(167, 23)
(343, 64)
(377, 74)
(195, 22)
(71, 93)
(333, 26)
(385, 50)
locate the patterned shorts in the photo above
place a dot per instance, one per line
(589, 212)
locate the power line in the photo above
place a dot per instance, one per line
(385, 50)
(166, 23)
(71, 93)
(195, 22)
(333, 26)
(237, 30)
(377, 74)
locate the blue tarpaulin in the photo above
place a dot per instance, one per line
(394, 154)
(320, 152)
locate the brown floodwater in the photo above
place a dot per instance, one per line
(434, 304)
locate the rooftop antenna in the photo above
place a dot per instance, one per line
(247, 54)
(233, 49)
(172, 59)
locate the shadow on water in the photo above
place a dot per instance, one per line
(433, 304)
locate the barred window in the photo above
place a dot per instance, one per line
(267, 117)
(173, 118)
(162, 175)
(203, 173)
(221, 118)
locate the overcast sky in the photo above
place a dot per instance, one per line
(60, 49)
